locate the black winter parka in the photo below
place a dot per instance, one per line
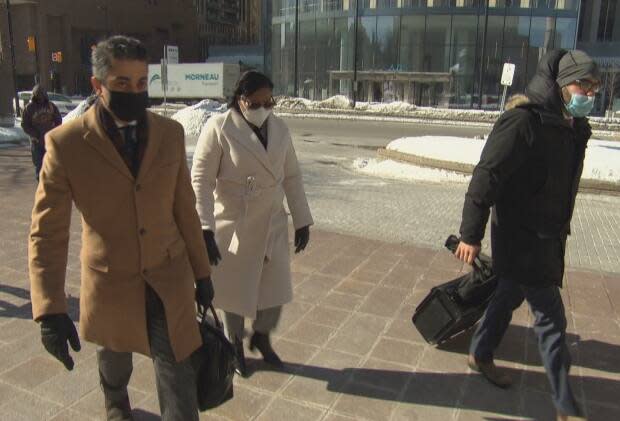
(528, 175)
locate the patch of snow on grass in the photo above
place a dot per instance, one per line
(401, 171)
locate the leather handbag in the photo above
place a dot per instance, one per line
(213, 362)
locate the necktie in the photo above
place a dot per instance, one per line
(131, 147)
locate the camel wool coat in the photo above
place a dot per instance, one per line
(240, 189)
(134, 232)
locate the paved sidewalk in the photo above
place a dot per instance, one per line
(351, 351)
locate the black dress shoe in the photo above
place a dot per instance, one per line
(262, 342)
(240, 366)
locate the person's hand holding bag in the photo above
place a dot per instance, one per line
(204, 292)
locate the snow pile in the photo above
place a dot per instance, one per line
(602, 157)
(338, 102)
(401, 171)
(194, 118)
(602, 161)
(12, 135)
(457, 114)
(444, 148)
(341, 102)
(290, 103)
(397, 107)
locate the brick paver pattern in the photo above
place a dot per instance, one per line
(350, 349)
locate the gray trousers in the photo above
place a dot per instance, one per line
(266, 321)
(175, 381)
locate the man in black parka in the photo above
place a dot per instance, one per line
(528, 176)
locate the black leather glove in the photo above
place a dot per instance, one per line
(204, 293)
(212, 250)
(302, 236)
(56, 330)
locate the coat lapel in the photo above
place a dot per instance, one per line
(236, 128)
(96, 137)
(152, 146)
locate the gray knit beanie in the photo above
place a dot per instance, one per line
(577, 65)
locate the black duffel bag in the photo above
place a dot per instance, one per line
(455, 306)
(478, 286)
(214, 363)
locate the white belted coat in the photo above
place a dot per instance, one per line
(240, 189)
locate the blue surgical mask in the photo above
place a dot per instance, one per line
(580, 105)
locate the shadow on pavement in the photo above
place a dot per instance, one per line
(24, 311)
(440, 389)
(589, 353)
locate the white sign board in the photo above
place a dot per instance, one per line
(172, 54)
(196, 80)
(508, 74)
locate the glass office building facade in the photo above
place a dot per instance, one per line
(446, 53)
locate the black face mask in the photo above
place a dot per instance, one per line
(128, 106)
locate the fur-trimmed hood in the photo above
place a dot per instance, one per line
(516, 100)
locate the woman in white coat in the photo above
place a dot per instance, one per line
(244, 166)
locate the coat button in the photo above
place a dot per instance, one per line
(142, 231)
(138, 187)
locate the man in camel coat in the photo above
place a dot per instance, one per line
(125, 170)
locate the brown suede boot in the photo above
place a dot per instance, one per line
(490, 372)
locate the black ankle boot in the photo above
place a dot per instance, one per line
(262, 342)
(240, 366)
(118, 411)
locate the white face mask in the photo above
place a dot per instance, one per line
(257, 117)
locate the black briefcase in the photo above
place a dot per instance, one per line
(457, 305)
(214, 363)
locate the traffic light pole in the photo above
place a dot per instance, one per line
(37, 76)
(12, 44)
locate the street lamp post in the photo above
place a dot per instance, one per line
(296, 57)
(483, 52)
(354, 82)
(12, 46)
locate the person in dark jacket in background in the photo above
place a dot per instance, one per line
(528, 174)
(40, 116)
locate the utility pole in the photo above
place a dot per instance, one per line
(12, 46)
(296, 78)
(483, 52)
(354, 83)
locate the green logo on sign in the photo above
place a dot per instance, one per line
(155, 78)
